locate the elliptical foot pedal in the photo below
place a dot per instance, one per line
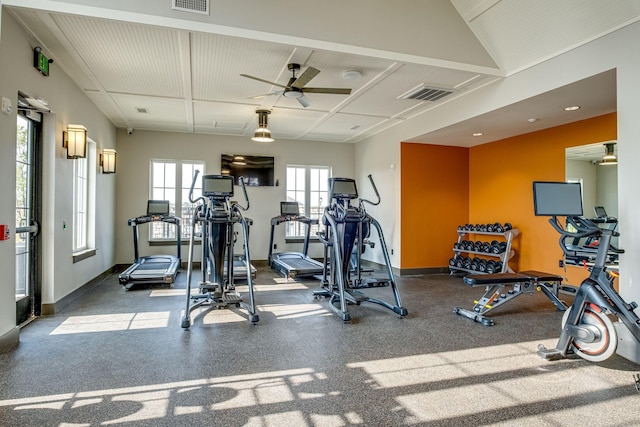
(231, 298)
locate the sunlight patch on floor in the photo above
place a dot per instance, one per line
(113, 322)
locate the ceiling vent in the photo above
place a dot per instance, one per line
(195, 6)
(142, 110)
(425, 93)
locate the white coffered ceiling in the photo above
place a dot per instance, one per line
(147, 66)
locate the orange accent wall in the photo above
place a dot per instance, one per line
(434, 201)
(443, 187)
(500, 186)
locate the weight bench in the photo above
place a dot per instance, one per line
(525, 282)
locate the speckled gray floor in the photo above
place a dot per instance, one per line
(121, 358)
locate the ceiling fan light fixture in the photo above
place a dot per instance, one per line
(293, 93)
(262, 133)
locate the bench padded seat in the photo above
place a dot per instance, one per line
(495, 278)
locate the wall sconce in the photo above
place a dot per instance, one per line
(74, 139)
(262, 134)
(108, 160)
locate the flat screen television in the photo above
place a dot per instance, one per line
(255, 170)
(557, 198)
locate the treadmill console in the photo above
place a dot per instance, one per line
(289, 210)
(157, 210)
(217, 186)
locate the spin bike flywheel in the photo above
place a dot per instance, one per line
(606, 341)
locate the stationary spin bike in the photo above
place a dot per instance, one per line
(217, 216)
(587, 327)
(345, 225)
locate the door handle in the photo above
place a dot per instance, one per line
(34, 228)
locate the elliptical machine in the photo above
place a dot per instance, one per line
(344, 226)
(217, 216)
(587, 329)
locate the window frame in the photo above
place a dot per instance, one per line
(294, 231)
(180, 190)
(84, 191)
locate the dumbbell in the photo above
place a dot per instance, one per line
(490, 228)
(482, 265)
(498, 267)
(466, 263)
(491, 266)
(453, 262)
(474, 264)
(477, 246)
(508, 226)
(459, 260)
(498, 228)
(486, 247)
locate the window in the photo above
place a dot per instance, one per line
(171, 180)
(309, 186)
(84, 200)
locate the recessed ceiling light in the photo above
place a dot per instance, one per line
(478, 134)
(532, 120)
(572, 108)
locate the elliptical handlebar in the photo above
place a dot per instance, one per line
(246, 198)
(193, 184)
(375, 189)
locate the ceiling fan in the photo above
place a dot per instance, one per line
(296, 89)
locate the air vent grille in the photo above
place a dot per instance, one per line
(142, 110)
(195, 6)
(428, 94)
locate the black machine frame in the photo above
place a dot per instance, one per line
(345, 228)
(587, 329)
(153, 268)
(217, 215)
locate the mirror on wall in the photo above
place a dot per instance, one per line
(595, 167)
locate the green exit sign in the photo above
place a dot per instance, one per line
(40, 61)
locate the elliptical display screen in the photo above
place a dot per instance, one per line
(343, 188)
(557, 198)
(217, 186)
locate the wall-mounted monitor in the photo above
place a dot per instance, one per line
(255, 170)
(557, 198)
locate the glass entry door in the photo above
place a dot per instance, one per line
(28, 196)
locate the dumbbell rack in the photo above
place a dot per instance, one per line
(503, 257)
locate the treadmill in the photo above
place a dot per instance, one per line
(240, 267)
(293, 264)
(152, 268)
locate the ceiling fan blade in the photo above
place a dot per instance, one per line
(262, 80)
(305, 77)
(334, 90)
(304, 101)
(278, 92)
